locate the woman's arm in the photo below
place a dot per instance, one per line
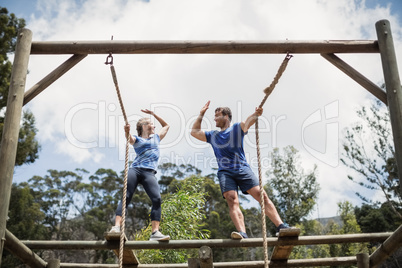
(128, 136)
(165, 126)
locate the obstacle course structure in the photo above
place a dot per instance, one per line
(80, 49)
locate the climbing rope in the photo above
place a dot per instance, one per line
(109, 61)
(267, 92)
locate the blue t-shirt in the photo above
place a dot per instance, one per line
(147, 151)
(228, 147)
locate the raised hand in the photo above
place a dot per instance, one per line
(205, 108)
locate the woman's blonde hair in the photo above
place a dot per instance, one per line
(140, 123)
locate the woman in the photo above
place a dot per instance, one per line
(143, 170)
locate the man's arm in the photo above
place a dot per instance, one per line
(196, 131)
(245, 125)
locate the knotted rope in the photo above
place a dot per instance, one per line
(109, 60)
(267, 92)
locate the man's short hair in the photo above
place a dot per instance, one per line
(225, 111)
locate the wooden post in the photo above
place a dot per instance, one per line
(9, 141)
(54, 263)
(393, 86)
(363, 260)
(389, 246)
(193, 263)
(206, 258)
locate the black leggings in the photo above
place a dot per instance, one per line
(147, 178)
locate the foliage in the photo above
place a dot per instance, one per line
(182, 219)
(293, 192)
(28, 146)
(347, 224)
(25, 220)
(374, 219)
(369, 151)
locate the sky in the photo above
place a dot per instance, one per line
(80, 123)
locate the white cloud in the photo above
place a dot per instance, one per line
(185, 82)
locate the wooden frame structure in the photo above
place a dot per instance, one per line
(17, 98)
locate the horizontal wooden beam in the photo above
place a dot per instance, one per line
(213, 243)
(204, 47)
(338, 261)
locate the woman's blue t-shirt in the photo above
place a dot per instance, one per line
(228, 147)
(147, 151)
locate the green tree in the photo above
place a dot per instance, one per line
(293, 192)
(349, 226)
(28, 146)
(182, 218)
(369, 151)
(25, 220)
(346, 224)
(58, 197)
(373, 219)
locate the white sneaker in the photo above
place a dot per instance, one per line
(158, 236)
(115, 229)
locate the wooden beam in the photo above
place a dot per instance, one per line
(393, 87)
(51, 77)
(387, 248)
(128, 254)
(193, 263)
(18, 249)
(213, 243)
(363, 260)
(11, 128)
(203, 47)
(281, 253)
(53, 263)
(206, 258)
(336, 261)
(358, 77)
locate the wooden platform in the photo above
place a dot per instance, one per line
(281, 254)
(128, 254)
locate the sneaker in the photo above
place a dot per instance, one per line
(158, 236)
(282, 226)
(238, 235)
(115, 229)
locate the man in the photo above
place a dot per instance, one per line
(234, 171)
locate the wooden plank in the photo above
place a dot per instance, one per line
(52, 77)
(203, 47)
(213, 243)
(128, 254)
(25, 254)
(358, 77)
(282, 252)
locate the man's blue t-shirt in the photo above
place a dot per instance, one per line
(147, 151)
(228, 147)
